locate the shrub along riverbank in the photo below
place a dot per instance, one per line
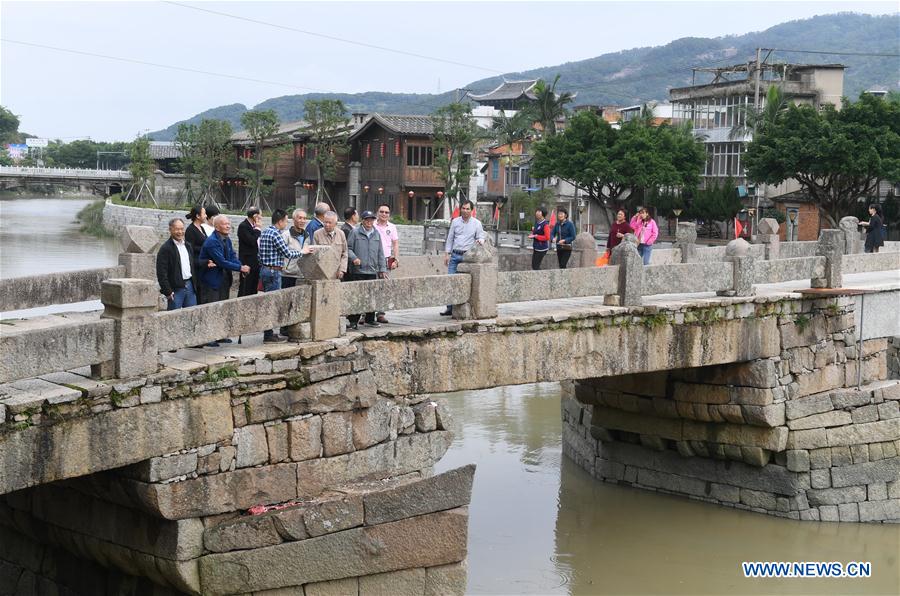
(91, 219)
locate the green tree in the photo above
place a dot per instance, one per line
(141, 167)
(9, 127)
(548, 106)
(617, 167)
(455, 134)
(328, 129)
(757, 119)
(262, 129)
(837, 156)
(205, 151)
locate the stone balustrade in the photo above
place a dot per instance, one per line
(309, 311)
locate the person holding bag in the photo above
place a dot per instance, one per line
(564, 236)
(646, 231)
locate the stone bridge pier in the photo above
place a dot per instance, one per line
(788, 435)
(282, 470)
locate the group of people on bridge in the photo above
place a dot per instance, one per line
(196, 264)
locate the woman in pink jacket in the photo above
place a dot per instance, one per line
(646, 231)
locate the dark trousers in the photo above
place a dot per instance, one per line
(249, 282)
(370, 316)
(536, 258)
(210, 295)
(563, 257)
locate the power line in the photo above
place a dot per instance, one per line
(157, 65)
(334, 38)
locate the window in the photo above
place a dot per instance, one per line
(495, 169)
(724, 159)
(419, 156)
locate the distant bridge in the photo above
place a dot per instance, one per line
(101, 181)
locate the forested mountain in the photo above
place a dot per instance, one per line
(643, 74)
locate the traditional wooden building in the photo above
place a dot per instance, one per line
(510, 95)
(394, 156)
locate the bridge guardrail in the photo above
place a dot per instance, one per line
(80, 173)
(127, 340)
(53, 288)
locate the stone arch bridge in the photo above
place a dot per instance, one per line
(753, 382)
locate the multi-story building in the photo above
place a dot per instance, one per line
(718, 110)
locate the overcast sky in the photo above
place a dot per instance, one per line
(66, 95)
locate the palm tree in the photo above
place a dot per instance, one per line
(507, 130)
(756, 119)
(549, 106)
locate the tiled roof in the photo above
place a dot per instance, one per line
(283, 129)
(399, 124)
(508, 90)
(164, 150)
(409, 125)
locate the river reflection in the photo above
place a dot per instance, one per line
(540, 525)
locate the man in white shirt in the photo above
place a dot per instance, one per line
(465, 232)
(175, 269)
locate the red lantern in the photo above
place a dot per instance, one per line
(397, 149)
(381, 190)
(440, 194)
(382, 149)
(411, 194)
(368, 150)
(366, 188)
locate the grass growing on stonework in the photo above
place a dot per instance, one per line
(91, 219)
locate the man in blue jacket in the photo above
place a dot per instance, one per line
(216, 257)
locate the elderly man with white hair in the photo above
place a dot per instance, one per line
(216, 257)
(331, 236)
(318, 222)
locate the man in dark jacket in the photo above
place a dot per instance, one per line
(367, 261)
(219, 250)
(248, 251)
(175, 269)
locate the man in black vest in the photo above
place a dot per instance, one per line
(175, 269)
(248, 251)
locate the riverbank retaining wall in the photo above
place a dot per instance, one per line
(789, 435)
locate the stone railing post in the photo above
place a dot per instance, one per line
(631, 273)
(830, 246)
(584, 251)
(767, 234)
(131, 303)
(138, 258)
(480, 263)
(319, 271)
(686, 240)
(853, 243)
(737, 252)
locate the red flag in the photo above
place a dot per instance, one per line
(738, 228)
(455, 213)
(553, 218)
(497, 212)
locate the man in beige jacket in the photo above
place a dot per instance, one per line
(329, 235)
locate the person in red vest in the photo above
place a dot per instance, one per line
(540, 234)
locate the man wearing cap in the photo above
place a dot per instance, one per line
(465, 232)
(366, 256)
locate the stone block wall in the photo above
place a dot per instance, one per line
(789, 435)
(306, 469)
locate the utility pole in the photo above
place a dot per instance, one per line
(758, 72)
